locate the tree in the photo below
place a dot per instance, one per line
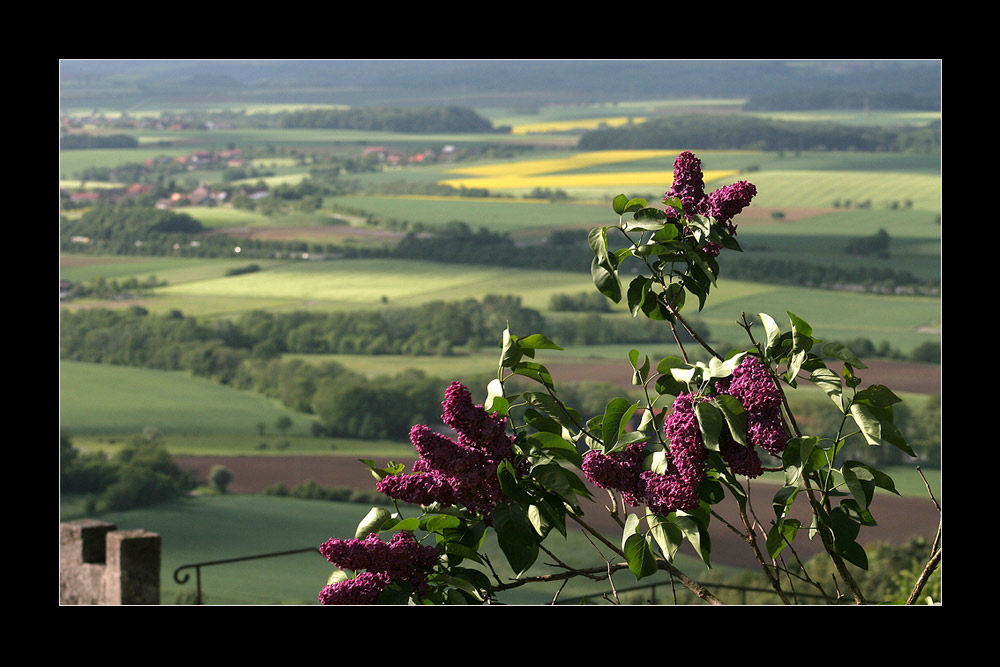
(283, 423)
(220, 477)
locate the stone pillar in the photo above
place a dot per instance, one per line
(132, 573)
(101, 565)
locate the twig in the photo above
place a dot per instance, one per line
(935, 559)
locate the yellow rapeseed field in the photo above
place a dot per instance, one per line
(557, 172)
(570, 125)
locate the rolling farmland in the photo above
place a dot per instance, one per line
(811, 205)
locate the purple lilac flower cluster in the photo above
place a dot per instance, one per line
(620, 471)
(450, 472)
(400, 559)
(761, 399)
(723, 205)
(675, 489)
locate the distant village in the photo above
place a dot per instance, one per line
(219, 159)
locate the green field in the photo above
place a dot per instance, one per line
(230, 526)
(204, 291)
(99, 398)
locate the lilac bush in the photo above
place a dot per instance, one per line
(520, 463)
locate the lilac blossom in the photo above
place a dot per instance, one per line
(363, 589)
(677, 488)
(674, 489)
(618, 471)
(752, 385)
(461, 471)
(723, 204)
(401, 559)
(689, 183)
(729, 201)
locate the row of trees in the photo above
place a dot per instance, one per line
(81, 141)
(855, 100)
(735, 132)
(427, 119)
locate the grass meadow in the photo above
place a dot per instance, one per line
(229, 526)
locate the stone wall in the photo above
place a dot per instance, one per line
(100, 565)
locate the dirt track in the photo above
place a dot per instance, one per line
(899, 518)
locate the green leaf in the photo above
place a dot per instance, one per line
(337, 576)
(516, 536)
(709, 423)
(666, 383)
(843, 353)
(512, 524)
(553, 477)
(557, 446)
(735, 416)
(801, 333)
(878, 395)
(463, 585)
(598, 240)
(639, 556)
(845, 531)
(781, 535)
(535, 371)
(510, 353)
(606, 280)
(771, 330)
(567, 417)
(646, 219)
(509, 483)
(392, 468)
(667, 536)
(537, 342)
(546, 514)
(495, 400)
(462, 551)
(783, 499)
(373, 522)
(696, 534)
(541, 422)
(640, 373)
(635, 204)
(831, 385)
(697, 289)
(636, 295)
(630, 528)
(862, 480)
(794, 364)
(877, 426)
(440, 523)
(619, 203)
(616, 418)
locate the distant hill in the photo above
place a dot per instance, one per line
(425, 82)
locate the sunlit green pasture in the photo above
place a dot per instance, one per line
(83, 268)
(822, 188)
(101, 398)
(102, 405)
(904, 321)
(362, 283)
(823, 240)
(499, 215)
